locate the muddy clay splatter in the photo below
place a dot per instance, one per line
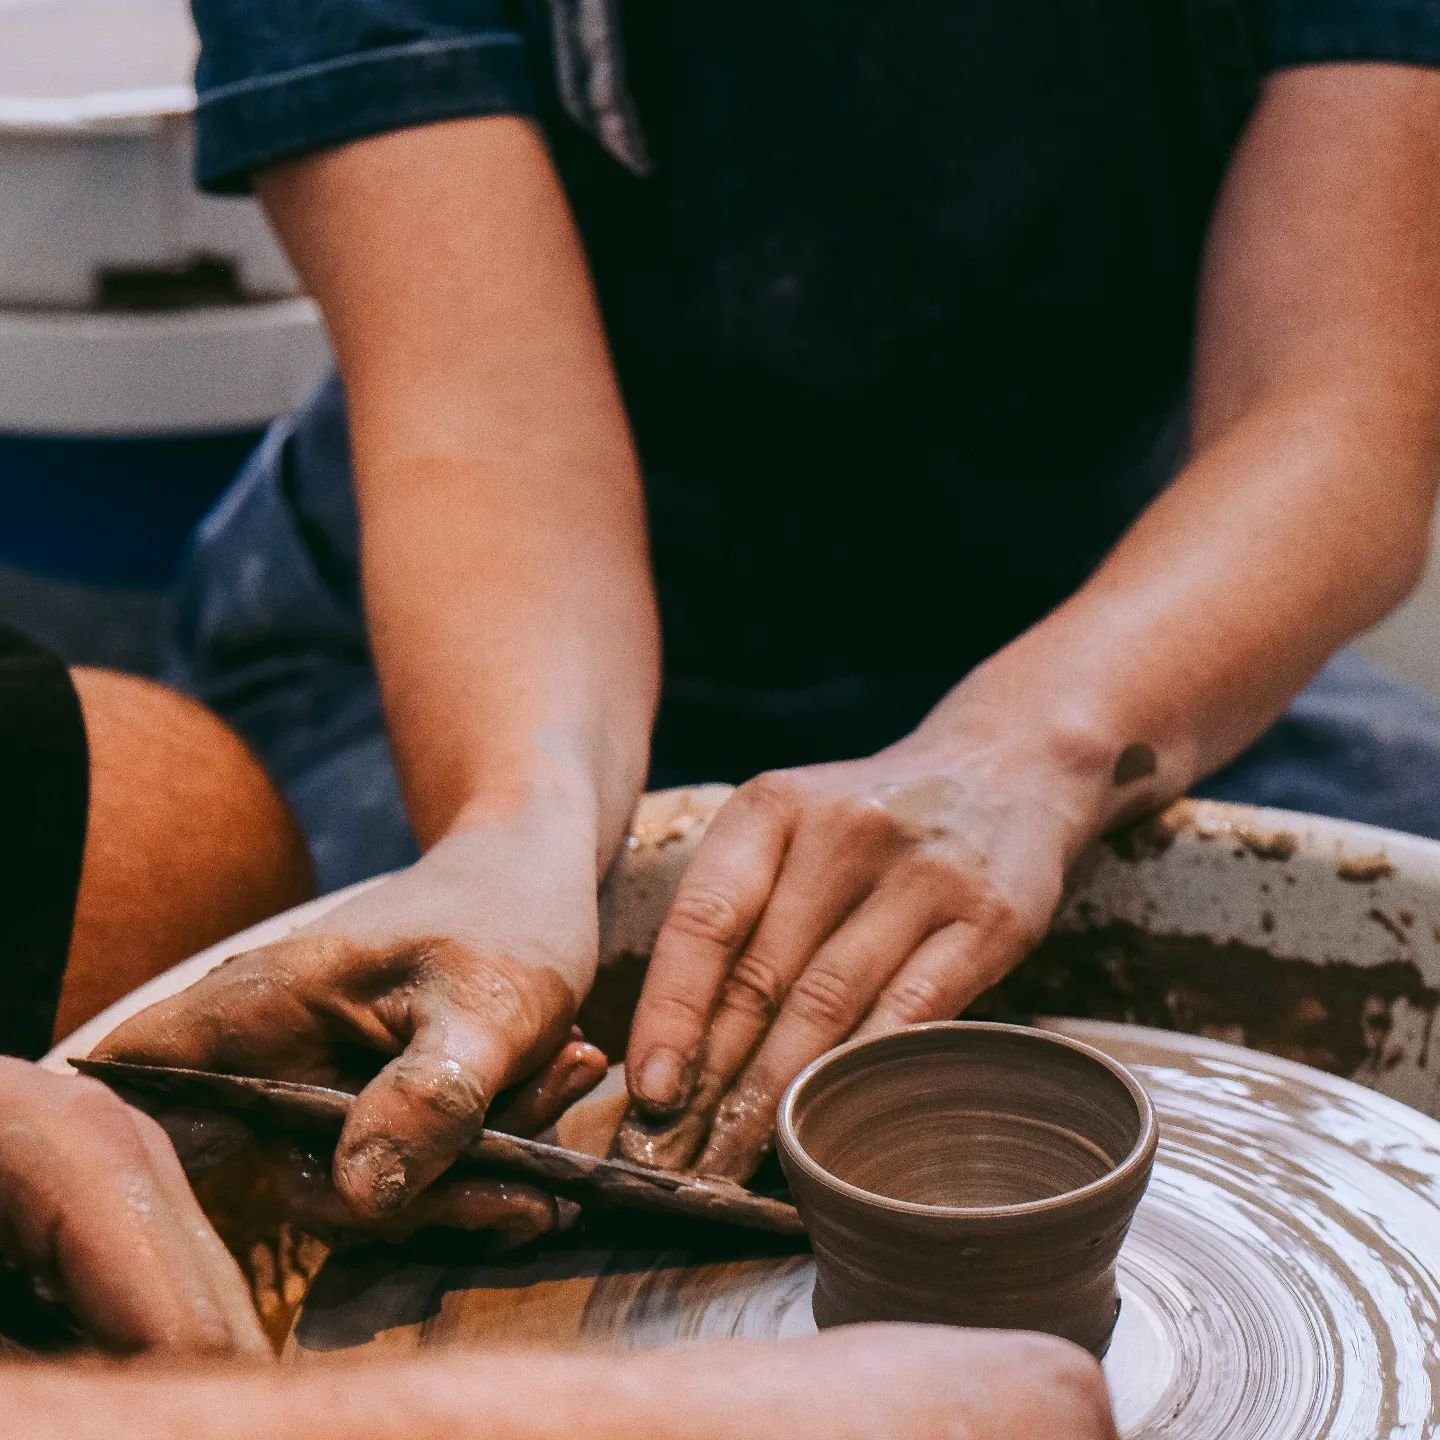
(1365, 869)
(1335, 1015)
(1266, 844)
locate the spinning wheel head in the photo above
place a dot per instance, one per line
(1281, 1280)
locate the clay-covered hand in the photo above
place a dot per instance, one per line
(829, 901)
(251, 1176)
(430, 994)
(95, 1209)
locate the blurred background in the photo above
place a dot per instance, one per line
(148, 335)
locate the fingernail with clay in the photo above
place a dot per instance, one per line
(375, 1177)
(661, 1082)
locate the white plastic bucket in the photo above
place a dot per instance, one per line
(96, 148)
(148, 333)
(175, 372)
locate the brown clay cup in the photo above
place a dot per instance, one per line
(968, 1174)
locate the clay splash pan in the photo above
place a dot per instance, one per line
(1281, 1279)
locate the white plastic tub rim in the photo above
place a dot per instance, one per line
(184, 372)
(1311, 938)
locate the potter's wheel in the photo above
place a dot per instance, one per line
(1281, 1281)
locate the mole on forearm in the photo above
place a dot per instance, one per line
(1136, 762)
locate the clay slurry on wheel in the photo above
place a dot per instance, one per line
(1279, 1282)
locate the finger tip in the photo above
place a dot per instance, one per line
(372, 1177)
(580, 1084)
(592, 1059)
(734, 1169)
(543, 1211)
(581, 1054)
(661, 1082)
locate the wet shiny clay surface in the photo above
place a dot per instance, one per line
(1279, 1281)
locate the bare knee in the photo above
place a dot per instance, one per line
(188, 840)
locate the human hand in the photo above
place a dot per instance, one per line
(832, 900)
(463, 973)
(95, 1207)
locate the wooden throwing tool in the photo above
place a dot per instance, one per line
(587, 1179)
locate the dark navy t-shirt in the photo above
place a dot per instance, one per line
(902, 309)
(903, 314)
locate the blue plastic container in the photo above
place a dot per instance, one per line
(109, 511)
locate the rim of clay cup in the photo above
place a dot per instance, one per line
(1139, 1157)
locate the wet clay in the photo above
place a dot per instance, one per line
(1333, 1015)
(1151, 836)
(1365, 869)
(1281, 1280)
(968, 1174)
(671, 1141)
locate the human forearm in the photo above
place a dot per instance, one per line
(516, 664)
(422, 1401)
(504, 555)
(858, 1383)
(1292, 532)
(852, 898)
(1303, 514)
(506, 580)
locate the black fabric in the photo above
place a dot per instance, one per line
(44, 800)
(902, 315)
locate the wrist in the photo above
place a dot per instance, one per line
(1080, 754)
(581, 802)
(566, 803)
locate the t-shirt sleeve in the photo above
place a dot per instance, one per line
(1312, 32)
(279, 78)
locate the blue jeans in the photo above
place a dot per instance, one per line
(271, 634)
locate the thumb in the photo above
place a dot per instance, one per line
(412, 1120)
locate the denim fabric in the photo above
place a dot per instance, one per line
(1308, 32)
(271, 634)
(1356, 744)
(277, 78)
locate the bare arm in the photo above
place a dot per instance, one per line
(1304, 515)
(897, 888)
(863, 1383)
(505, 565)
(511, 615)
